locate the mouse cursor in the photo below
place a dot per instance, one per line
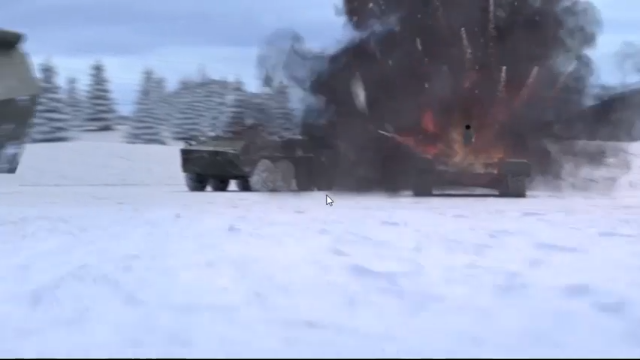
(329, 200)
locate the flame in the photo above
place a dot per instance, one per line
(428, 122)
(481, 155)
(448, 142)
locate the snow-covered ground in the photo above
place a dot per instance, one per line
(146, 269)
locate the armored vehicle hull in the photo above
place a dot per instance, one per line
(18, 95)
(214, 163)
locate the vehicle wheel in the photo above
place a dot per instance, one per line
(219, 184)
(304, 177)
(514, 186)
(196, 182)
(286, 172)
(243, 184)
(264, 176)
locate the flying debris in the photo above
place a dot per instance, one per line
(427, 68)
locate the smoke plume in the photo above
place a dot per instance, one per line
(417, 72)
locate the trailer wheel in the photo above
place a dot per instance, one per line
(243, 184)
(196, 182)
(219, 184)
(514, 187)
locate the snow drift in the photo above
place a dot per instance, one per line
(99, 164)
(151, 272)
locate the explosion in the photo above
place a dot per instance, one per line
(419, 73)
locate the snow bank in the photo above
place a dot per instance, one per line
(99, 164)
(8, 181)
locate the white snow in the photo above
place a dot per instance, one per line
(99, 164)
(155, 271)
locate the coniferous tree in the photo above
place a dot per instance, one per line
(51, 122)
(237, 119)
(75, 106)
(162, 105)
(176, 100)
(283, 115)
(187, 125)
(223, 101)
(101, 114)
(200, 106)
(144, 127)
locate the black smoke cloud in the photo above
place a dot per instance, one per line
(515, 70)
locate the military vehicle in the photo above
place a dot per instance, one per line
(508, 176)
(19, 89)
(213, 162)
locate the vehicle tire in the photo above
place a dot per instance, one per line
(286, 175)
(264, 176)
(304, 176)
(219, 184)
(513, 187)
(243, 184)
(196, 182)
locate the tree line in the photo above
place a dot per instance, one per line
(195, 107)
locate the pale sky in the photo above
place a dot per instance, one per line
(177, 37)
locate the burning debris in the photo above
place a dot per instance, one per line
(496, 66)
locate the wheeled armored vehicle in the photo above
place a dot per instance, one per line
(18, 94)
(214, 162)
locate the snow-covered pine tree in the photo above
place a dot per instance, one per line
(216, 103)
(101, 114)
(75, 106)
(186, 122)
(200, 105)
(51, 123)
(257, 111)
(215, 106)
(144, 127)
(237, 114)
(174, 101)
(237, 121)
(283, 115)
(162, 105)
(224, 105)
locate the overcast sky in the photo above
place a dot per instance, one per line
(176, 37)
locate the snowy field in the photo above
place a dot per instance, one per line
(106, 255)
